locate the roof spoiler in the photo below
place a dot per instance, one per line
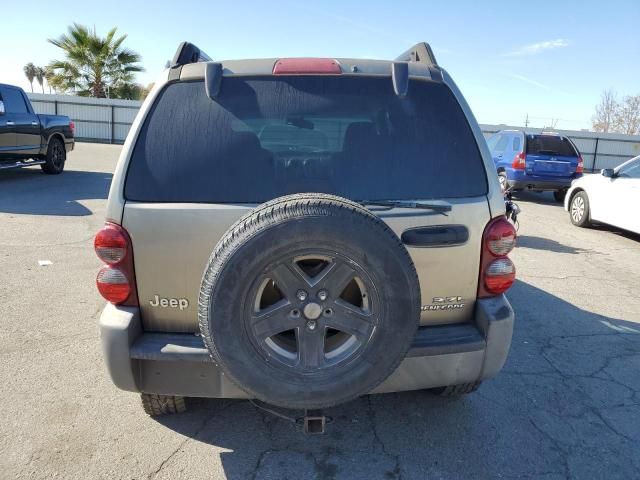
(188, 53)
(421, 53)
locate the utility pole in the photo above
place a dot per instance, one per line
(526, 121)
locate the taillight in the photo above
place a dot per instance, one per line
(113, 284)
(116, 279)
(111, 244)
(73, 128)
(301, 66)
(580, 167)
(519, 161)
(497, 272)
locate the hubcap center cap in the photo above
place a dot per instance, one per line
(312, 311)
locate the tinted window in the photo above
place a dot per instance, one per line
(550, 145)
(630, 171)
(267, 137)
(13, 101)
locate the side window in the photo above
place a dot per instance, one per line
(631, 171)
(497, 143)
(14, 101)
(517, 143)
(492, 140)
(502, 144)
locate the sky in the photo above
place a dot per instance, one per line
(545, 60)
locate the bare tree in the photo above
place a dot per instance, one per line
(603, 120)
(627, 117)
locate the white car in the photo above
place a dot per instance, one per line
(613, 197)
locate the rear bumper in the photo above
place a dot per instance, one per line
(540, 185)
(179, 364)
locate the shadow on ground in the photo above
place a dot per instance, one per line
(545, 198)
(27, 191)
(567, 404)
(540, 243)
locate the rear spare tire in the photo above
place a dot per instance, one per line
(309, 301)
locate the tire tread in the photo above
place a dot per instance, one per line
(263, 216)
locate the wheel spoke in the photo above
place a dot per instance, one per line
(288, 279)
(273, 320)
(311, 347)
(350, 319)
(335, 277)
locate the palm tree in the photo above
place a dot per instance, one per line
(30, 71)
(48, 74)
(40, 73)
(93, 64)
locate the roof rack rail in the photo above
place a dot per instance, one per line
(188, 53)
(420, 52)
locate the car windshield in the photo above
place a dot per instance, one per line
(264, 137)
(550, 145)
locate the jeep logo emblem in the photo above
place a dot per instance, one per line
(180, 303)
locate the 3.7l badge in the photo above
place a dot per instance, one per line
(444, 303)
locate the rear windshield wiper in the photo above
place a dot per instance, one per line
(389, 204)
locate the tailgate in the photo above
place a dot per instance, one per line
(551, 166)
(172, 244)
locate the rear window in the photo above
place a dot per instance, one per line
(264, 137)
(550, 145)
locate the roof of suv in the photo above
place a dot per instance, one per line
(190, 62)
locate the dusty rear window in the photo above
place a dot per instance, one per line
(264, 137)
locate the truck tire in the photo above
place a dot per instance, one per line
(56, 157)
(456, 391)
(156, 405)
(309, 301)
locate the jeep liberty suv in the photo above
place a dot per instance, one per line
(303, 231)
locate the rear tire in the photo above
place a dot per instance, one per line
(579, 210)
(559, 195)
(456, 391)
(156, 405)
(56, 157)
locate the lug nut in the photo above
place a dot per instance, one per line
(322, 295)
(312, 324)
(302, 295)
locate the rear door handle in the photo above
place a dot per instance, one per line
(34, 123)
(10, 123)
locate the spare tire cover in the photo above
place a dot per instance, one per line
(309, 301)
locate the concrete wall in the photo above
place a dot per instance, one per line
(108, 121)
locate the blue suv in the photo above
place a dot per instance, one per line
(540, 162)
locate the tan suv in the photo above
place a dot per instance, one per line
(304, 231)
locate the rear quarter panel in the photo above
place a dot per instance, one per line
(51, 125)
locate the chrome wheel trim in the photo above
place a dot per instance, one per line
(577, 209)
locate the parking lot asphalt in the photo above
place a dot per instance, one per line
(566, 405)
